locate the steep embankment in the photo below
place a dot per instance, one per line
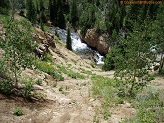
(68, 101)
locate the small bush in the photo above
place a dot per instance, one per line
(4, 11)
(28, 88)
(18, 112)
(47, 57)
(149, 107)
(6, 86)
(48, 68)
(109, 61)
(39, 81)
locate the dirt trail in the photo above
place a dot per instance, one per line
(69, 102)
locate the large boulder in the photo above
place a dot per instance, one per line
(99, 42)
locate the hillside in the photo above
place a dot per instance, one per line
(77, 61)
(87, 94)
(65, 101)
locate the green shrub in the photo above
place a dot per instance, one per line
(149, 107)
(103, 89)
(28, 88)
(18, 112)
(4, 11)
(6, 86)
(39, 81)
(109, 61)
(47, 57)
(49, 69)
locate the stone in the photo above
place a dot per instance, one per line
(99, 42)
(128, 105)
(37, 87)
(64, 101)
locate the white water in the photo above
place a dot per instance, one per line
(78, 46)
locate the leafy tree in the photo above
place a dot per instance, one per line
(69, 41)
(18, 46)
(132, 65)
(31, 11)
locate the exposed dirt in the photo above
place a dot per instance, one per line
(69, 102)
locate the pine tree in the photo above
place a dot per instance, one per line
(31, 11)
(60, 22)
(73, 13)
(4, 6)
(51, 9)
(69, 41)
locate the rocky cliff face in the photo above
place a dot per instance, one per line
(99, 42)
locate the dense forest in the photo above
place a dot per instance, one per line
(135, 35)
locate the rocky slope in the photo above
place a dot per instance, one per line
(68, 101)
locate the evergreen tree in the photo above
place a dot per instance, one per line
(60, 22)
(158, 35)
(31, 11)
(132, 60)
(73, 13)
(69, 41)
(52, 3)
(4, 6)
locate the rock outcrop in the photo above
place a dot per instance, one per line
(46, 40)
(99, 42)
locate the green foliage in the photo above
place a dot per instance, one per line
(86, 17)
(47, 57)
(69, 40)
(73, 13)
(31, 11)
(49, 69)
(70, 73)
(60, 18)
(38, 81)
(18, 111)
(53, 10)
(158, 35)
(18, 46)
(4, 7)
(109, 62)
(149, 108)
(28, 88)
(103, 89)
(133, 65)
(6, 86)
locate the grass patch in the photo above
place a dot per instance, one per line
(86, 72)
(48, 68)
(70, 73)
(150, 107)
(104, 90)
(18, 112)
(5, 19)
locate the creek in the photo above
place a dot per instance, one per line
(79, 47)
